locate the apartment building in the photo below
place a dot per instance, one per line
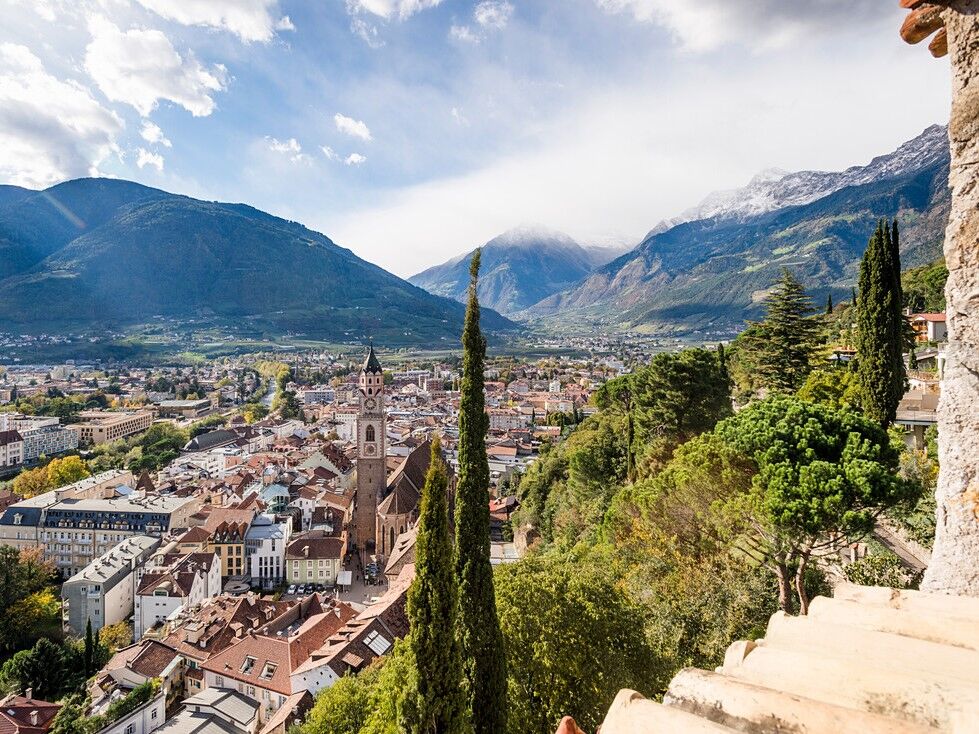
(11, 449)
(184, 582)
(102, 592)
(100, 426)
(74, 532)
(43, 435)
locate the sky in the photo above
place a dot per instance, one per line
(411, 131)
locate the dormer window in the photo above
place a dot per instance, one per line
(268, 671)
(246, 667)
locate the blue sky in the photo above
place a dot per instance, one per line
(413, 130)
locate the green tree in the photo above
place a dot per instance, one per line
(438, 700)
(829, 304)
(880, 329)
(787, 338)
(573, 639)
(344, 707)
(25, 597)
(837, 388)
(820, 478)
(676, 397)
(923, 288)
(42, 668)
(881, 569)
(478, 627)
(116, 636)
(88, 661)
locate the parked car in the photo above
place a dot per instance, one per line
(292, 589)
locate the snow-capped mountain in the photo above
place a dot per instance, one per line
(774, 189)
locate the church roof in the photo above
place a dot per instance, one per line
(371, 364)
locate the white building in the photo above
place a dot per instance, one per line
(11, 449)
(318, 396)
(102, 592)
(265, 544)
(161, 591)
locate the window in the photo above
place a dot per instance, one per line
(246, 667)
(130, 729)
(369, 434)
(153, 714)
(218, 681)
(377, 643)
(268, 671)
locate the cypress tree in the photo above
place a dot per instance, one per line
(829, 304)
(478, 626)
(880, 329)
(438, 700)
(787, 338)
(88, 659)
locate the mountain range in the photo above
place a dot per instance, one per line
(105, 253)
(712, 266)
(517, 269)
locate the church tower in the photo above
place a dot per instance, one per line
(371, 464)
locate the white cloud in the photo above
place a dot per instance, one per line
(141, 67)
(146, 158)
(250, 20)
(367, 32)
(50, 130)
(463, 33)
(460, 117)
(761, 24)
(389, 8)
(355, 159)
(331, 155)
(493, 13)
(624, 158)
(352, 127)
(290, 147)
(152, 133)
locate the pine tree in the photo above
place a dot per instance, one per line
(478, 626)
(880, 329)
(829, 304)
(88, 659)
(438, 704)
(787, 338)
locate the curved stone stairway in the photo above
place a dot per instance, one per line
(869, 660)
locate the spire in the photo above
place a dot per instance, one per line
(371, 364)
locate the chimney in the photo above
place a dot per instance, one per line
(33, 718)
(29, 694)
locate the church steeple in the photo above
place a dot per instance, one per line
(371, 364)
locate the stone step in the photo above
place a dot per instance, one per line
(752, 708)
(872, 649)
(900, 692)
(919, 602)
(945, 630)
(630, 713)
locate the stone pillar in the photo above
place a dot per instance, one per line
(955, 561)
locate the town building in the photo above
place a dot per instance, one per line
(43, 435)
(371, 463)
(315, 558)
(184, 582)
(102, 592)
(929, 327)
(78, 523)
(11, 449)
(264, 664)
(265, 546)
(100, 426)
(25, 714)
